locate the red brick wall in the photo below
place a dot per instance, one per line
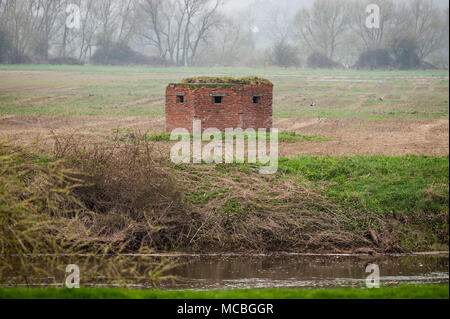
(178, 114)
(237, 108)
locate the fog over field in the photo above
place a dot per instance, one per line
(115, 121)
(407, 34)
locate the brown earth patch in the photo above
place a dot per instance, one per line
(393, 137)
(25, 128)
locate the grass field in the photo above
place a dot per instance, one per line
(138, 91)
(373, 176)
(381, 184)
(401, 292)
(359, 188)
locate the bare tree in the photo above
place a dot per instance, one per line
(106, 14)
(187, 32)
(279, 25)
(48, 12)
(321, 27)
(233, 42)
(176, 28)
(88, 28)
(230, 44)
(152, 14)
(126, 25)
(20, 18)
(374, 38)
(426, 25)
(207, 20)
(283, 54)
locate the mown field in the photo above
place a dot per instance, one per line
(85, 168)
(138, 91)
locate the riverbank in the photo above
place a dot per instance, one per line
(120, 195)
(400, 292)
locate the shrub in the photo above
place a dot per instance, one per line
(122, 54)
(130, 190)
(116, 195)
(5, 47)
(158, 61)
(375, 59)
(284, 55)
(427, 66)
(41, 212)
(321, 61)
(65, 61)
(21, 58)
(404, 50)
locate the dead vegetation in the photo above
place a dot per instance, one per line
(226, 80)
(240, 210)
(70, 203)
(124, 196)
(131, 192)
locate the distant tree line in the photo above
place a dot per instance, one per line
(327, 34)
(409, 32)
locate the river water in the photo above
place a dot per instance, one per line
(279, 270)
(319, 271)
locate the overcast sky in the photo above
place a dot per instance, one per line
(242, 4)
(266, 16)
(237, 4)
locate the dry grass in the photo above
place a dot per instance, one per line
(124, 196)
(44, 210)
(242, 210)
(118, 195)
(131, 192)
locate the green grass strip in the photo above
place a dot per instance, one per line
(400, 292)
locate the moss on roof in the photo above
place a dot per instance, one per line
(226, 80)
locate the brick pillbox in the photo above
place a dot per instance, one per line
(219, 102)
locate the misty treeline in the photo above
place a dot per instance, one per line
(320, 33)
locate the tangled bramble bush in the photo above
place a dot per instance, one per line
(112, 194)
(131, 191)
(76, 202)
(36, 195)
